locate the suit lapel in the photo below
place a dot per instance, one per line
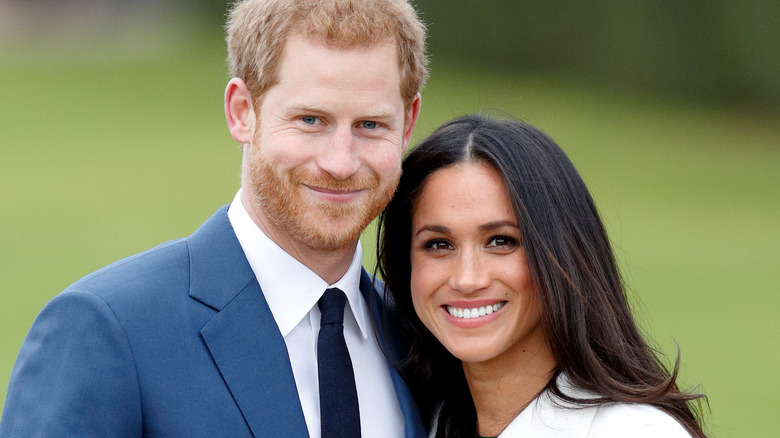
(413, 426)
(242, 337)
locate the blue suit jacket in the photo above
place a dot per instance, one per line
(177, 341)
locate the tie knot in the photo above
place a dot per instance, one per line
(332, 307)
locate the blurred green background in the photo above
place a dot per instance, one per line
(112, 140)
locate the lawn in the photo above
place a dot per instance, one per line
(106, 150)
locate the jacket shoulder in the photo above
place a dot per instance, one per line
(74, 375)
(635, 420)
(156, 266)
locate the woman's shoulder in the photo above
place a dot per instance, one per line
(611, 420)
(618, 420)
(550, 417)
(635, 420)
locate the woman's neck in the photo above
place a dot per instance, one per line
(503, 386)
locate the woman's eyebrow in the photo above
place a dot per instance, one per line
(497, 224)
(433, 229)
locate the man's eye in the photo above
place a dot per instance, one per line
(368, 124)
(309, 120)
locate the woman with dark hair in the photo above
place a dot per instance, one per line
(504, 279)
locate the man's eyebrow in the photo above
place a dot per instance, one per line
(307, 108)
(378, 113)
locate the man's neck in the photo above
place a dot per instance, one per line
(330, 264)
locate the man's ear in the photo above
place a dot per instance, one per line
(239, 112)
(411, 119)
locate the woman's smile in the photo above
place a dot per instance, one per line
(470, 282)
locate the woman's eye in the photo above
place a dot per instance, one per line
(309, 120)
(368, 124)
(438, 245)
(502, 241)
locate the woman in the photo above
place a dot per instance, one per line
(495, 256)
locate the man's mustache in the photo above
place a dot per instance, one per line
(327, 182)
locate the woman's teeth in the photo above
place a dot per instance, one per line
(474, 312)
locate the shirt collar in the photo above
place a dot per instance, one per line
(290, 288)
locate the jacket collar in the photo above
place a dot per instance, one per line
(242, 337)
(373, 291)
(244, 340)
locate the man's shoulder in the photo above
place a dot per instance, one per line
(162, 266)
(158, 266)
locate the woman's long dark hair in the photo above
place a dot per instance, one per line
(585, 314)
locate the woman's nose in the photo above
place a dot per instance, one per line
(470, 273)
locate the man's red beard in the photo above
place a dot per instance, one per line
(320, 226)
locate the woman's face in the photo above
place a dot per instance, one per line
(470, 282)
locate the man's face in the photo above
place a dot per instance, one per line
(326, 153)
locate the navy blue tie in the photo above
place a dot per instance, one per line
(339, 412)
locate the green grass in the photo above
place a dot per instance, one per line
(105, 152)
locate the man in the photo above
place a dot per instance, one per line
(217, 334)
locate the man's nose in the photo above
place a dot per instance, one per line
(339, 157)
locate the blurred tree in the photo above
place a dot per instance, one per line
(712, 49)
(212, 9)
(707, 48)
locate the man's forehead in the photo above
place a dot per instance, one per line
(357, 69)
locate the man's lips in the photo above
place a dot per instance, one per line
(336, 195)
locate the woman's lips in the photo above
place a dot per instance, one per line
(473, 314)
(470, 312)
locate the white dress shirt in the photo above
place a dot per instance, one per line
(292, 291)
